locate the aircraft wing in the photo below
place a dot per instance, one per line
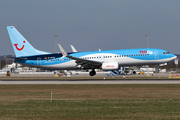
(81, 62)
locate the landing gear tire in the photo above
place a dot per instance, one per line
(92, 73)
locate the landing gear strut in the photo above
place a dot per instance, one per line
(92, 73)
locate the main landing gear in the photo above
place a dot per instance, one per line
(92, 73)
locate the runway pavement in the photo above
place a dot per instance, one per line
(91, 82)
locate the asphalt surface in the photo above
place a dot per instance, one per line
(170, 81)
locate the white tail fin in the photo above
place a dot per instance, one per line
(64, 53)
(73, 49)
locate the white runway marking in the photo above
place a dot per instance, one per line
(96, 82)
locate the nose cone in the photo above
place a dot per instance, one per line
(173, 56)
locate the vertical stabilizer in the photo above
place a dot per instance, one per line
(20, 45)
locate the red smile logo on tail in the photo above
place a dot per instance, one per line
(19, 48)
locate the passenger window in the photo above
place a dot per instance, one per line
(166, 52)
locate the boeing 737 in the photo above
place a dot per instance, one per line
(108, 60)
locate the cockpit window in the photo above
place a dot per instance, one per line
(166, 52)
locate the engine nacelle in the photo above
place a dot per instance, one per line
(110, 66)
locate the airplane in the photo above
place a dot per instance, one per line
(107, 60)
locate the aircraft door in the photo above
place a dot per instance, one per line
(38, 61)
(101, 58)
(156, 54)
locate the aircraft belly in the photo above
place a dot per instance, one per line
(132, 61)
(62, 66)
(59, 66)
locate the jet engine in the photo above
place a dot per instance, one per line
(110, 66)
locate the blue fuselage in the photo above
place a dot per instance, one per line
(126, 57)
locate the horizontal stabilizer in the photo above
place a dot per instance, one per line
(18, 58)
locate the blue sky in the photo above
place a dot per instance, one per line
(92, 24)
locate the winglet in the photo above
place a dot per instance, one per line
(73, 49)
(62, 50)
